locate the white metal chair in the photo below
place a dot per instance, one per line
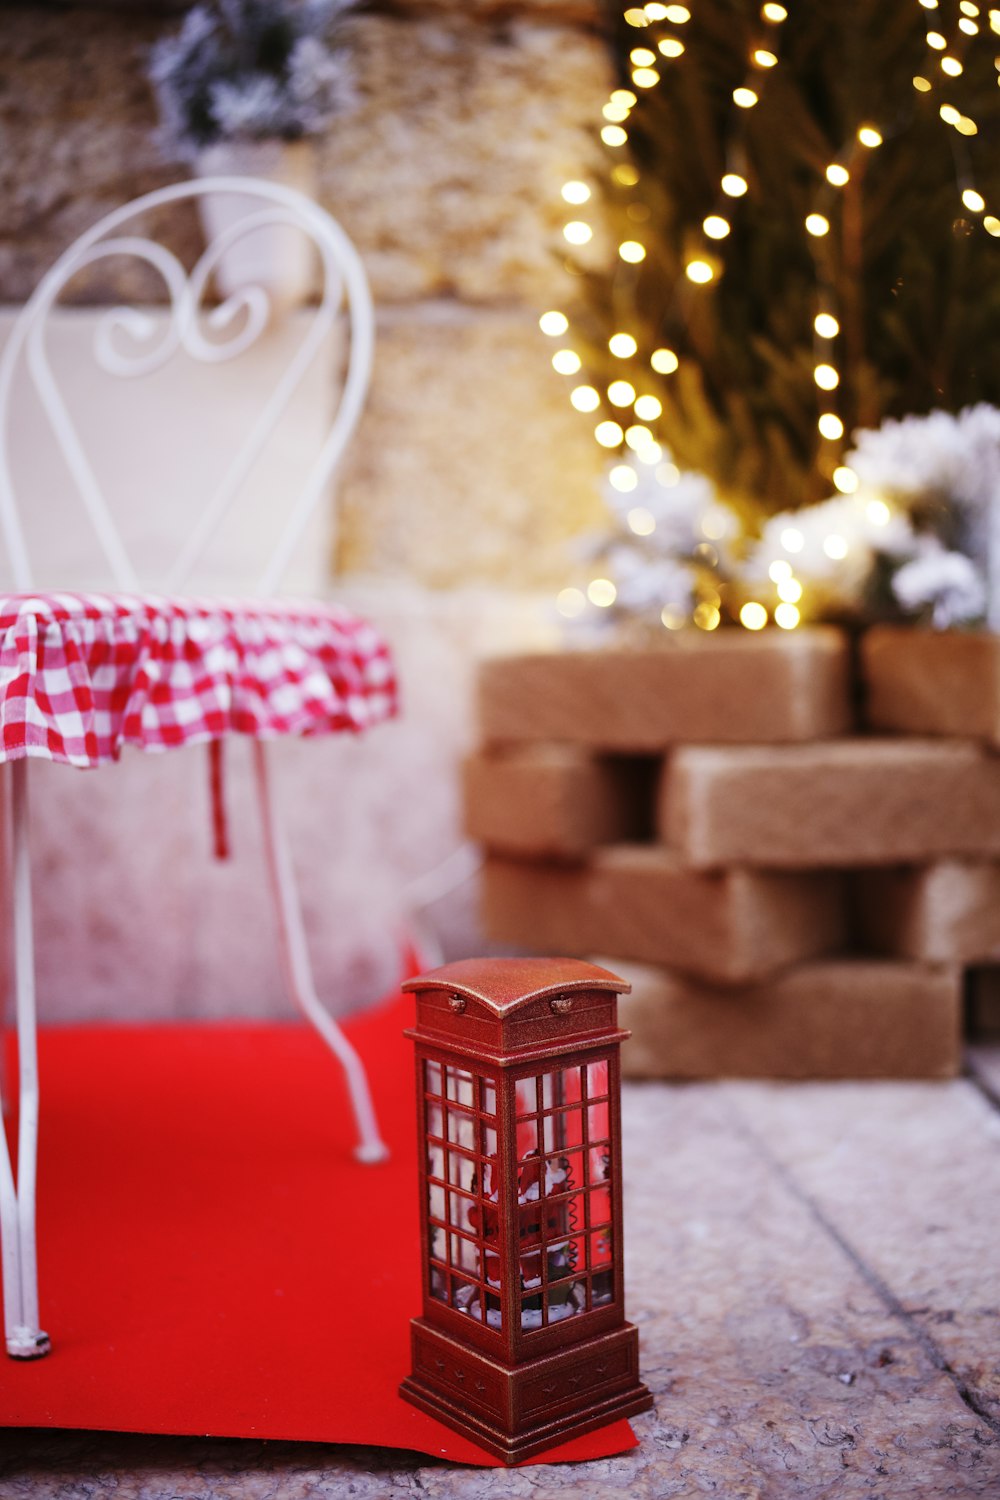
(348, 681)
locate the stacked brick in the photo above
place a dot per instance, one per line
(793, 893)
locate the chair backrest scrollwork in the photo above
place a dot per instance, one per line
(130, 341)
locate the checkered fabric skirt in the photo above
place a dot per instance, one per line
(81, 675)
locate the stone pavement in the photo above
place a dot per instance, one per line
(815, 1272)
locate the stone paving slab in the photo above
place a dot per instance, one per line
(811, 1271)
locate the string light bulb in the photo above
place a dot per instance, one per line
(699, 271)
(973, 200)
(774, 13)
(632, 252)
(787, 616)
(826, 325)
(817, 225)
(645, 78)
(870, 137)
(623, 478)
(602, 592)
(577, 232)
(584, 398)
(575, 192)
(553, 323)
(826, 377)
(641, 521)
(648, 408)
(622, 345)
(609, 434)
(671, 46)
(830, 426)
(664, 361)
(716, 227)
(845, 479)
(614, 135)
(733, 185)
(621, 393)
(837, 175)
(753, 616)
(764, 59)
(566, 361)
(745, 98)
(571, 602)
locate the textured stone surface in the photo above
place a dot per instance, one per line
(839, 1018)
(639, 902)
(731, 687)
(853, 802)
(806, 1330)
(942, 913)
(555, 800)
(932, 682)
(470, 464)
(448, 171)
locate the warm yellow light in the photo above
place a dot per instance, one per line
(973, 200)
(929, 4)
(625, 175)
(570, 602)
(671, 46)
(845, 479)
(779, 570)
(745, 98)
(716, 227)
(936, 40)
(623, 478)
(553, 323)
(639, 438)
(636, 17)
(789, 590)
(575, 192)
(585, 398)
(614, 135)
(753, 616)
(733, 185)
(764, 59)
(616, 113)
(830, 426)
(995, 21)
(715, 523)
(787, 616)
(792, 539)
(608, 434)
(922, 85)
(632, 251)
(641, 521)
(992, 225)
(965, 126)
(968, 7)
(642, 57)
(969, 27)
(664, 361)
(672, 616)
(949, 114)
(826, 325)
(602, 592)
(706, 616)
(648, 408)
(677, 15)
(645, 78)
(698, 271)
(621, 393)
(668, 475)
(869, 136)
(835, 546)
(878, 512)
(566, 361)
(951, 66)
(774, 13)
(826, 377)
(818, 225)
(649, 453)
(656, 12)
(577, 232)
(622, 345)
(837, 175)
(624, 97)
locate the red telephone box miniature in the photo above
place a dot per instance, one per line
(523, 1341)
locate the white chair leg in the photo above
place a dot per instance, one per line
(298, 970)
(25, 1340)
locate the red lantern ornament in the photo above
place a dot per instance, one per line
(523, 1341)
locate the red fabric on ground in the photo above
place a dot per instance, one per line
(212, 1260)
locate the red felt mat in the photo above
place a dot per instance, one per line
(212, 1259)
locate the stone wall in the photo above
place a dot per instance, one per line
(471, 467)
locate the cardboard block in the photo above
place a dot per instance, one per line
(841, 1018)
(556, 800)
(931, 681)
(946, 913)
(856, 802)
(733, 686)
(638, 902)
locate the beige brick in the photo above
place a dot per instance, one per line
(555, 800)
(932, 682)
(732, 687)
(842, 1018)
(637, 902)
(942, 913)
(852, 802)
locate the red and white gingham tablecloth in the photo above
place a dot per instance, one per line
(81, 675)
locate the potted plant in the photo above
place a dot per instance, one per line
(242, 90)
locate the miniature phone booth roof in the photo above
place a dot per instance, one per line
(503, 984)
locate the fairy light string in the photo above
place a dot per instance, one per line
(625, 412)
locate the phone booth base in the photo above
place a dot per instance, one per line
(516, 1413)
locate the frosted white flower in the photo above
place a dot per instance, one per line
(831, 546)
(946, 583)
